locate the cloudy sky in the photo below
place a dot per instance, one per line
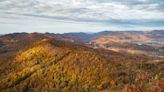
(60, 16)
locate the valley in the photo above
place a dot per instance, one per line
(81, 62)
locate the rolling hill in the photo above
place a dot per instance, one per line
(44, 63)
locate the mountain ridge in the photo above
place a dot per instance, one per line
(44, 62)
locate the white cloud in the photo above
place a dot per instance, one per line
(99, 11)
(85, 9)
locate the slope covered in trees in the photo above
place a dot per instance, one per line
(48, 65)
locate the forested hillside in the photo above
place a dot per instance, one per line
(37, 63)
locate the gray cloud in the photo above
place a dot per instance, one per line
(87, 9)
(121, 12)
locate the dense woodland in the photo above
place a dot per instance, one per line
(38, 63)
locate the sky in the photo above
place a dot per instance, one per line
(62, 16)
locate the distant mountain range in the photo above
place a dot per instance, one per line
(113, 40)
(87, 37)
(133, 36)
